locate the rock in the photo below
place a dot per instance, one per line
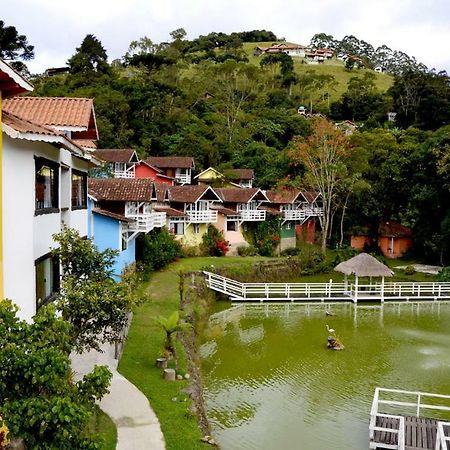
(161, 363)
(179, 377)
(16, 444)
(169, 374)
(187, 376)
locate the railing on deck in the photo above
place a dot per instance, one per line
(302, 214)
(442, 437)
(251, 215)
(417, 406)
(402, 289)
(147, 222)
(201, 216)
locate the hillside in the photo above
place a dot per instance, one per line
(334, 67)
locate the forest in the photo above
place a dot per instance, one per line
(212, 99)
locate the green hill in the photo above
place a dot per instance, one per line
(334, 67)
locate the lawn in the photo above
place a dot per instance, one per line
(102, 424)
(144, 345)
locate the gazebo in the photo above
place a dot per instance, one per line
(364, 265)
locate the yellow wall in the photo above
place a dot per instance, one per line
(1, 202)
(191, 238)
(208, 175)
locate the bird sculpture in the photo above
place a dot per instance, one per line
(330, 330)
(329, 313)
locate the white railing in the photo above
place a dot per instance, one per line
(441, 437)
(183, 179)
(302, 214)
(322, 291)
(201, 216)
(249, 215)
(147, 222)
(414, 407)
(273, 291)
(124, 172)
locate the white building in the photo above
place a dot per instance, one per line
(44, 186)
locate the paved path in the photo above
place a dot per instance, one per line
(137, 425)
(424, 268)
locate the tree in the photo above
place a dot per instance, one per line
(94, 304)
(14, 45)
(324, 154)
(39, 399)
(90, 57)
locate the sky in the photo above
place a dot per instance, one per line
(56, 27)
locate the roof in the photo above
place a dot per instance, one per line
(18, 128)
(393, 229)
(226, 211)
(62, 112)
(161, 191)
(310, 196)
(209, 169)
(273, 211)
(121, 189)
(11, 82)
(86, 143)
(171, 162)
(240, 195)
(123, 155)
(190, 193)
(111, 215)
(284, 196)
(171, 212)
(240, 174)
(364, 265)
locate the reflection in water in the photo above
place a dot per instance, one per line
(270, 382)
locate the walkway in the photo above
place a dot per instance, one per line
(137, 425)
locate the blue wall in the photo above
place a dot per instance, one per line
(107, 234)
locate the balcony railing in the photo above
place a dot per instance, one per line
(147, 222)
(302, 214)
(201, 216)
(252, 215)
(183, 179)
(129, 173)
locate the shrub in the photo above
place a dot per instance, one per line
(247, 250)
(157, 249)
(292, 251)
(444, 274)
(213, 242)
(190, 250)
(409, 270)
(265, 236)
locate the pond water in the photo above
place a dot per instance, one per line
(271, 383)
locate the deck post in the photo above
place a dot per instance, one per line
(382, 289)
(355, 298)
(345, 284)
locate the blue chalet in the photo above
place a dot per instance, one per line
(119, 210)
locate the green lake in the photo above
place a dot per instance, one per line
(271, 383)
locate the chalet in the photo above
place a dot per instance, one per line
(239, 206)
(44, 184)
(394, 239)
(178, 167)
(347, 127)
(143, 169)
(196, 205)
(242, 177)
(75, 117)
(122, 208)
(209, 176)
(283, 47)
(120, 163)
(299, 211)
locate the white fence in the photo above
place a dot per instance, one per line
(147, 222)
(434, 402)
(302, 214)
(326, 291)
(201, 216)
(252, 215)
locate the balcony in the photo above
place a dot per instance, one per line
(302, 214)
(147, 222)
(201, 216)
(252, 215)
(183, 179)
(124, 173)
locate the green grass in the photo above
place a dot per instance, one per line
(105, 428)
(144, 345)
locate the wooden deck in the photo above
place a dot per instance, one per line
(420, 432)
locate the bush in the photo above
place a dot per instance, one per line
(444, 274)
(157, 249)
(247, 250)
(264, 236)
(292, 251)
(190, 251)
(213, 242)
(409, 270)
(343, 254)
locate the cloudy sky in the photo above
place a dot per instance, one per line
(55, 27)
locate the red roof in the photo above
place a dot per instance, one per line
(171, 162)
(54, 111)
(393, 229)
(121, 189)
(191, 193)
(123, 155)
(171, 212)
(283, 196)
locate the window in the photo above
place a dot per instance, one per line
(46, 186)
(177, 228)
(79, 185)
(196, 228)
(231, 225)
(47, 279)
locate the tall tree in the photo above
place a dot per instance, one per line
(14, 45)
(90, 57)
(324, 154)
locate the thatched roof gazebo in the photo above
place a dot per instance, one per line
(364, 265)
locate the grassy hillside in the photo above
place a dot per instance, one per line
(333, 67)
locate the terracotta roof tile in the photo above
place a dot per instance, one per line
(26, 126)
(283, 196)
(115, 155)
(55, 111)
(191, 193)
(240, 174)
(240, 195)
(170, 212)
(161, 190)
(227, 211)
(121, 189)
(86, 143)
(393, 229)
(105, 213)
(171, 162)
